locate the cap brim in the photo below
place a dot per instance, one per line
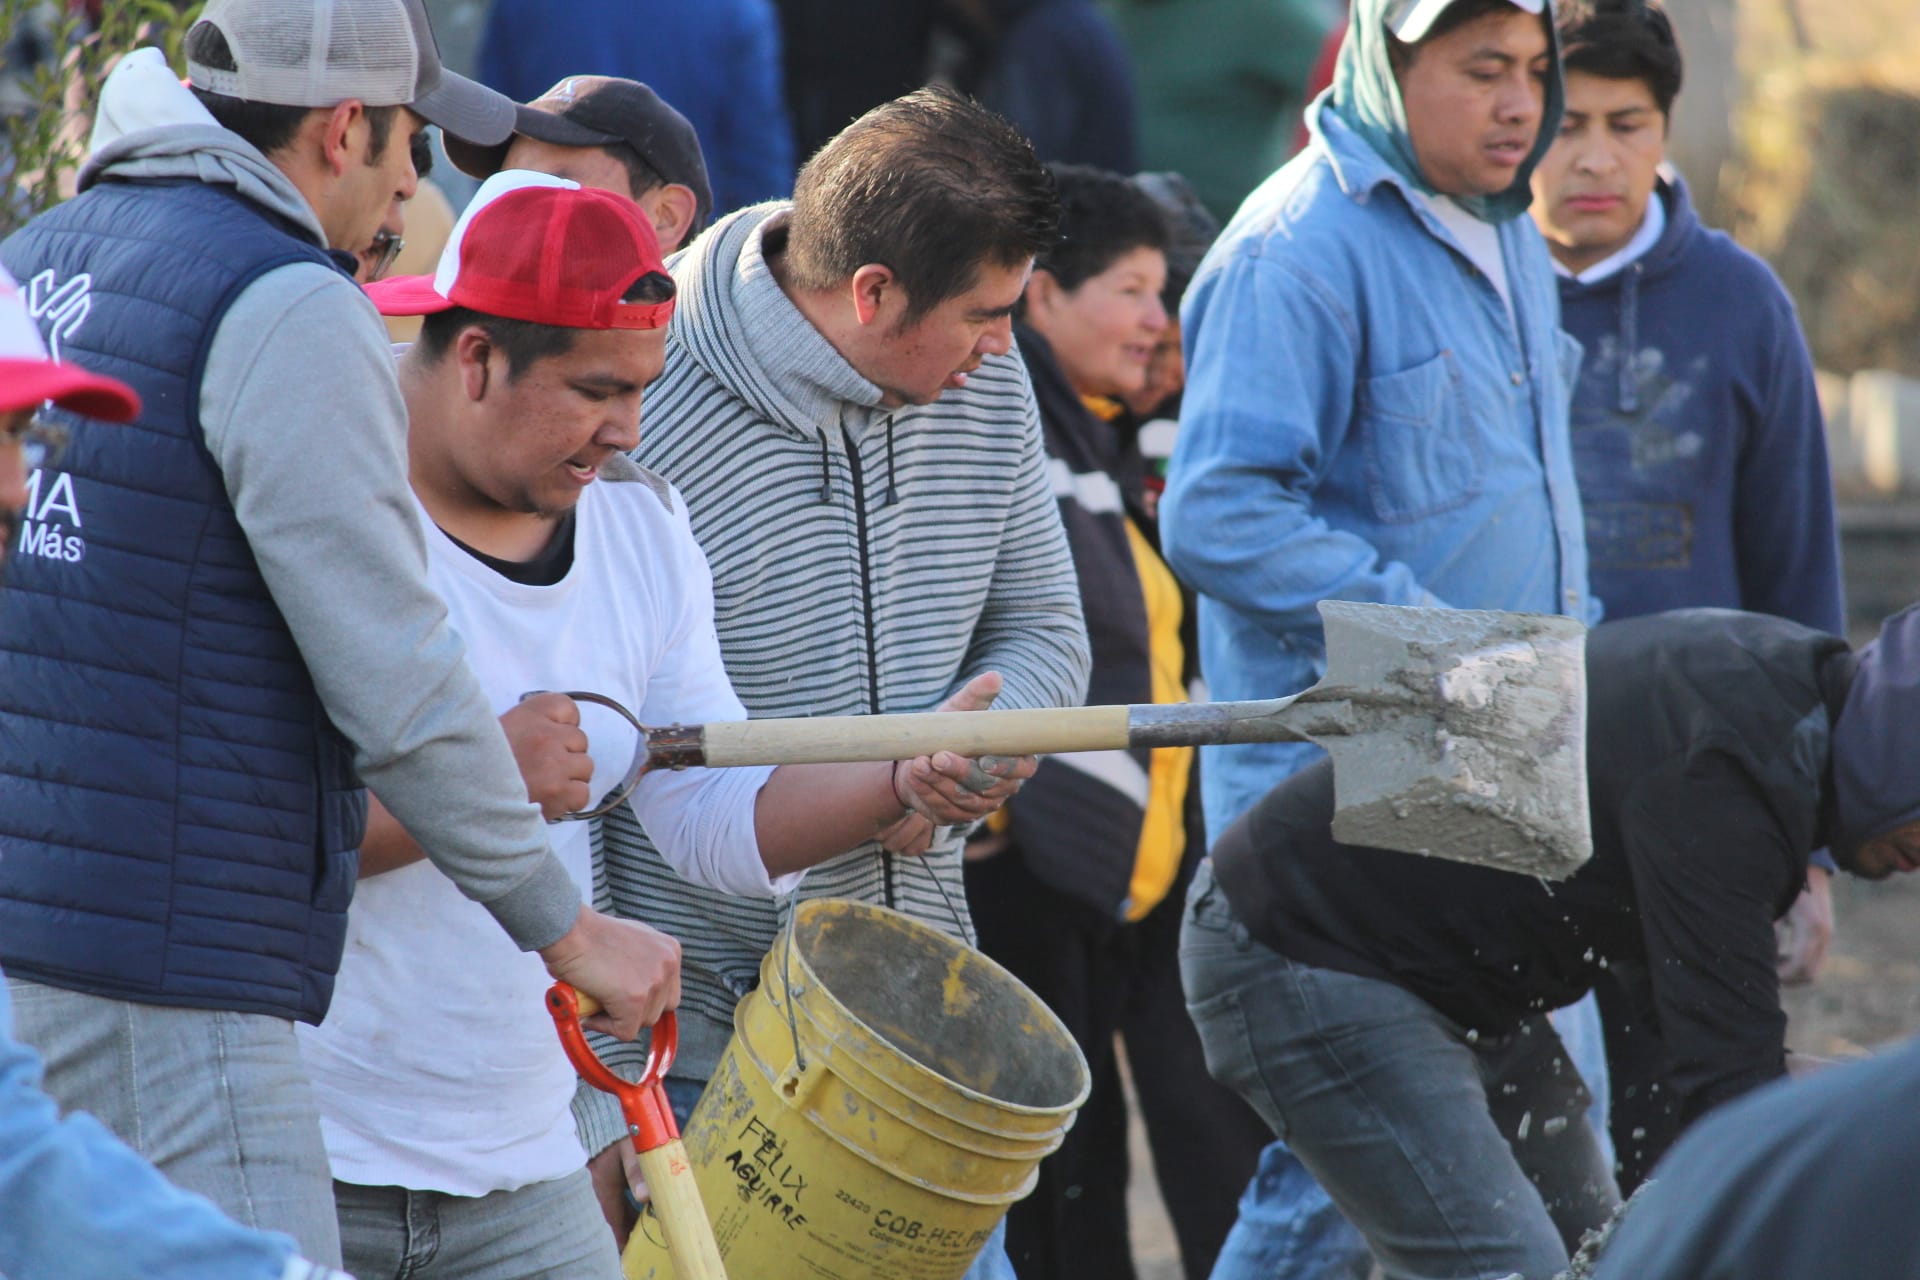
(407, 296)
(483, 162)
(467, 110)
(30, 382)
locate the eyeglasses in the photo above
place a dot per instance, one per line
(41, 441)
(382, 252)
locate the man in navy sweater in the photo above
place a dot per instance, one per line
(1697, 435)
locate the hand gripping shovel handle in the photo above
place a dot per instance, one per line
(670, 1182)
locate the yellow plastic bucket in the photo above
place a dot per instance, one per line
(887, 1093)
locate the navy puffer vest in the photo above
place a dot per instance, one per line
(179, 820)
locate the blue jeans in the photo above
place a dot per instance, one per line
(542, 1229)
(1288, 1229)
(217, 1101)
(1454, 1155)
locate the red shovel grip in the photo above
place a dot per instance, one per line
(643, 1102)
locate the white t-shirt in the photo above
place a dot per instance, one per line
(1480, 241)
(437, 1067)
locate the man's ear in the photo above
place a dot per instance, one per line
(1042, 295)
(341, 140)
(473, 350)
(671, 209)
(875, 290)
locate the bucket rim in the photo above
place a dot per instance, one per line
(815, 906)
(1042, 1143)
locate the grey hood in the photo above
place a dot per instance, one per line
(732, 318)
(149, 126)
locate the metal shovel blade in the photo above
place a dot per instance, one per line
(1457, 733)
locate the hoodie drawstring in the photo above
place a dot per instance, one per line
(891, 493)
(1628, 390)
(888, 495)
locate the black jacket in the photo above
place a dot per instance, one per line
(1076, 822)
(1708, 749)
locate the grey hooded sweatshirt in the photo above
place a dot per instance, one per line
(304, 417)
(864, 560)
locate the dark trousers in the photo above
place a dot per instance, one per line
(1105, 980)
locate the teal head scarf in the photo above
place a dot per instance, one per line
(1367, 99)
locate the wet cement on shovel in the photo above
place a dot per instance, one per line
(1499, 776)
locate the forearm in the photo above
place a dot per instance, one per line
(807, 813)
(386, 846)
(334, 531)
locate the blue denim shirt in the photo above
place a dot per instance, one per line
(1362, 421)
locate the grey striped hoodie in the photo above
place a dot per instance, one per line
(864, 560)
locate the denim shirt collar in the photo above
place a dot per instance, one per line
(1360, 171)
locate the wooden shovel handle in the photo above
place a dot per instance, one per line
(901, 737)
(676, 1202)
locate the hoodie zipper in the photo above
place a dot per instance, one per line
(866, 614)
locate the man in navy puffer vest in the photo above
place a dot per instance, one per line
(218, 621)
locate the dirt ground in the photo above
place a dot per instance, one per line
(1869, 993)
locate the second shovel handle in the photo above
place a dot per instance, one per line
(830, 739)
(675, 1199)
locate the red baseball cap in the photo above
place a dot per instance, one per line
(28, 377)
(542, 249)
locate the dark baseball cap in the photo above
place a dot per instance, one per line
(593, 111)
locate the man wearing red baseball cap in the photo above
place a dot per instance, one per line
(564, 565)
(237, 629)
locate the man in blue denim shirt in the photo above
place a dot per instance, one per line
(1376, 406)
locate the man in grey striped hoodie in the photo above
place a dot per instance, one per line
(860, 452)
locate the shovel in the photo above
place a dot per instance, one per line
(673, 1196)
(1457, 733)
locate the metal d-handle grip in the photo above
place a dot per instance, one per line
(624, 788)
(643, 1102)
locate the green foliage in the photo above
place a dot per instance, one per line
(46, 111)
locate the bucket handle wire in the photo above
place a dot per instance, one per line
(786, 953)
(786, 982)
(959, 924)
